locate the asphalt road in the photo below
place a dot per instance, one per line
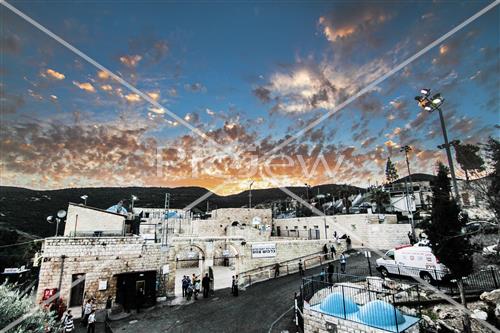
(255, 310)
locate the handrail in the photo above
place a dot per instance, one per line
(268, 268)
(282, 262)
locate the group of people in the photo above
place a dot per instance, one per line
(234, 286)
(193, 286)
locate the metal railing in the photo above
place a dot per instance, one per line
(287, 267)
(481, 281)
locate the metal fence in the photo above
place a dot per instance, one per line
(342, 299)
(483, 280)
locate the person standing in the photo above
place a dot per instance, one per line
(322, 275)
(235, 286)
(325, 251)
(348, 242)
(185, 283)
(205, 283)
(69, 326)
(91, 322)
(87, 309)
(301, 269)
(334, 252)
(197, 288)
(276, 270)
(212, 281)
(342, 260)
(330, 273)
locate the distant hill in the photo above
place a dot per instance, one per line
(417, 177)
(26, 210)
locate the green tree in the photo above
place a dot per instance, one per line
(14, 306)
(469, 159)
(380, 198)
(391, 173)
(445, 234)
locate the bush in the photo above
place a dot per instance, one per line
(12, 307)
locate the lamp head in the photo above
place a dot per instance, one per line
(425, 91)
(437, 99)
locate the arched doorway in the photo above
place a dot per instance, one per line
(189, 260)
(225, 265)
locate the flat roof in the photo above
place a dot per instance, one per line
(97, 209)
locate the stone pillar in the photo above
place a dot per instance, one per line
(209, 256)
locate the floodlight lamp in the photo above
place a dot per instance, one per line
(426, 92)
(437, 99)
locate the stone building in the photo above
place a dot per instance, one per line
(124, 268)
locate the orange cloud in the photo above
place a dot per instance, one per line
(132, 98)
(154, 95)
(106, 87)
(54, 74)
(130, 61)
(84, 86)
(103, 75)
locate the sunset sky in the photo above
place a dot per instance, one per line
(247, 76)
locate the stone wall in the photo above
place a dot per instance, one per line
(248, 232)
(285, 250)
(226, 216)
(317, 322)
(100, 259)
(364, 229)
(207, 228)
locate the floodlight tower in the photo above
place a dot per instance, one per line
(431, 104)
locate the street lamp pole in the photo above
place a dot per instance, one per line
(448, 155)
(250, 195)
(431, 104)
(410, 193)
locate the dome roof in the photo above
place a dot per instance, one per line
(380, 313)
(334, 304)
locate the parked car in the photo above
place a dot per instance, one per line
(481, 226)
(491, 250)
(413, 261)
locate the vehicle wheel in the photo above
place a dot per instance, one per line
(427, 277)
(384, 272)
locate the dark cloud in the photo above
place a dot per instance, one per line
(195, 87)
(263, 94)
(10, 103)
(10, 44)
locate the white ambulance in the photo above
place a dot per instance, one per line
(417, 261)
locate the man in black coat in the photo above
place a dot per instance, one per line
(205, 284)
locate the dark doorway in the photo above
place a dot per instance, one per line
(76, 297)
(313, 234)
(136, 290)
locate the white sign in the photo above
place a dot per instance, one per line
(264, 250)
(256, 220)
(165, 269)
(103, 284)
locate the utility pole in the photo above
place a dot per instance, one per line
(250, 195)
(164, 237)
(406, 149)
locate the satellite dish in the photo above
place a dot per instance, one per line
(50, 219)
(61, 214)
(84, 197)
